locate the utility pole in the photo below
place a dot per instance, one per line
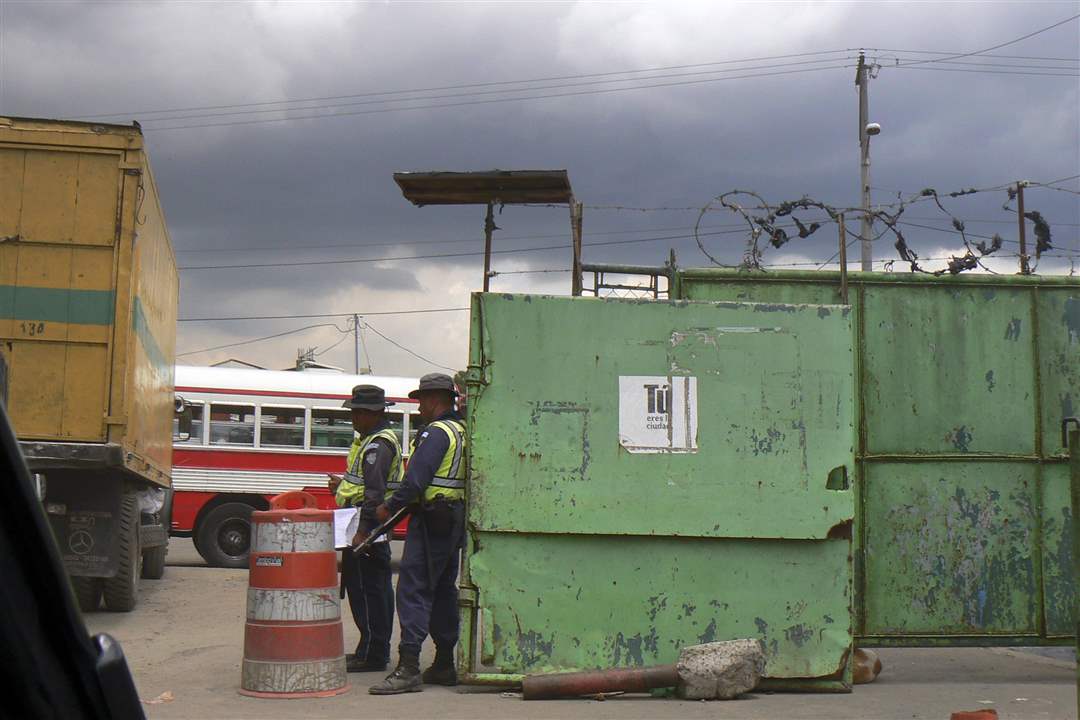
(862, 80)
(575, 231)
(1025, 269)
(489, 228)
(356, 343)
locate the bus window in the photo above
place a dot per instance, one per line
(395, 424)
(196, 435)
(232, 424)
(416, 426)
(331, 428)
(281, 427)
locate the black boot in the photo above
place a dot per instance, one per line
(405, 678)
(354, 664)
(442, 671)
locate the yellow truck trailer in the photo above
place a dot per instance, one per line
(88, 301)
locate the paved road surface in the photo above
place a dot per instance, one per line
(186, 637)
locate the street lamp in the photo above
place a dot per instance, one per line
(868, 131)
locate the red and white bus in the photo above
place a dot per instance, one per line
(257, 433)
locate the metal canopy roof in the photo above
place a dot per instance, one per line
(502, 187)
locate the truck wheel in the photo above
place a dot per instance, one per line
(153, 559)
(224, 535)
(121, 591)
(87, 592)
(153, 562)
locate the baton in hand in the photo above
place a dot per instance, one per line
(381, 529)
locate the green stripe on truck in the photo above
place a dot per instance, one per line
(79, 307)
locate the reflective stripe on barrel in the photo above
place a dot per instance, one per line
(273, 605)
(293, 640)
(311, 641)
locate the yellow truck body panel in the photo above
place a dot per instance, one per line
(88, 291)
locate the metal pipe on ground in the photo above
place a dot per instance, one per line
(713, 671)
(575, 684)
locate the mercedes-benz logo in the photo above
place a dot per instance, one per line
(81, 542)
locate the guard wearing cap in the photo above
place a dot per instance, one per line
(427, 578)
(373, 473)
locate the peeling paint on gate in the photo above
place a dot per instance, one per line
(951, 554)
(583, 555)
(964, 384)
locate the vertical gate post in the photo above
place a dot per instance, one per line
(1071, 440)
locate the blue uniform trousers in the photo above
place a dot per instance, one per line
(427, 594)
(368, 582)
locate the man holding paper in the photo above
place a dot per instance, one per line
(374, 471)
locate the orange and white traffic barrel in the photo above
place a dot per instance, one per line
(293, 641)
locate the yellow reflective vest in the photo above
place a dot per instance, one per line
(449, 480)
(351, 490)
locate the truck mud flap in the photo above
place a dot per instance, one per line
(83, 514)
(152, 536)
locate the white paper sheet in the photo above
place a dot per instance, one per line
(346, 520)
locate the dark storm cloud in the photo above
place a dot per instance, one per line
(307, 184)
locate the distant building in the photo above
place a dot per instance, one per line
(234, 363)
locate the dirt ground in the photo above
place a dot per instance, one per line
(186, 639)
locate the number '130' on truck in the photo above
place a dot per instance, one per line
(88, 299)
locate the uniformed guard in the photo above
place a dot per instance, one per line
(373, 473)
(427, 578)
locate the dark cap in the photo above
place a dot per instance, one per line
(435, 381)
(367, 397)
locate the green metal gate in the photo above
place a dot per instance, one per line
(1070, 435)
(964, 527)
(648, 475)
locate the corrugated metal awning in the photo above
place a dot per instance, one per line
(501, 187)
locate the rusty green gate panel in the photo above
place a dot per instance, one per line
(963, 520)
(646, 475)
(1059, 581)
(1070, 436)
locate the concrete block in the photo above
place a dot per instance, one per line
(720, 670)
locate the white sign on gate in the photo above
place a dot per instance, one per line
(658, 414)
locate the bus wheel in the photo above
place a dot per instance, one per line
(225, 535)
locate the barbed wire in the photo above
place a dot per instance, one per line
(761, 219)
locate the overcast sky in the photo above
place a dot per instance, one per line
(783, 122)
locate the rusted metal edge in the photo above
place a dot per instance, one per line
(877, 278)
(858, 553)
(626, 269)
(947, 457)
(985, 640)
(803, 685)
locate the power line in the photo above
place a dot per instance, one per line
(1000, 45)
(635, 208)
(532, 272)
(900, 63)
(402, 347)
(928, 259)
(446, 242)
(953, 52)
(464, 85)
(984, 72)
(342, 339)
(450, 255)
(578, 93)
(1055, 182)
(981, 222)
(481, 93)
(323, 315)
(260, 339)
